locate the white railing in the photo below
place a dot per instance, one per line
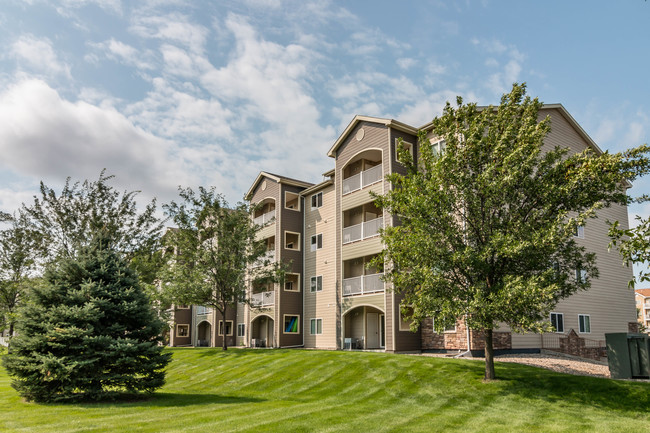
(269, 257)
(262, 299)
(363, 285)
(363, 230)
(265, 218)
(203, 310)
(362, 180)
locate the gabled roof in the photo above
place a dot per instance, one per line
(391, 123)
(278, 179)
(316, 187)
(643, 292)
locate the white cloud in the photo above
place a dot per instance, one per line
(173, 28)
(47, 137)
(406, 63)
(124, 53)
(38, 55)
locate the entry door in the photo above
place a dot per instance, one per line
(372, 328)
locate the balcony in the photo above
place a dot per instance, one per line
(263, 299)
(363, 285)
(362, 180)
(266, 259)
(363, 230)
(265, 218)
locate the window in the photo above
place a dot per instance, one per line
(557, 322)
(291, 324)
(182, 330)
(579, 232)
(228, 327)
(581, 275)
(317, 242)
(292, 241)
(182, 307)
(291, 201)
(405, 145)
(584, 323)
(203, 310)
(438, 146)
(405, 319)
(316, 326)
(316, 200)
(241, 330)
(292, 282)
(316, 283)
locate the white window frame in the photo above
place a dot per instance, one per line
(316, 240)
(187, 332)
(297, 246)
(558, 315)
(297, 209)
(581, 328)
(284, 317)
(438, 146)
(242, 327)
(405, 144)
(447, 330)
(318, 197)
(221, 329)
(296, 281)
(313, 326)
(581, 275)
(314, 285)
(580, 232)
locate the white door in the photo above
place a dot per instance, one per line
(372, 328)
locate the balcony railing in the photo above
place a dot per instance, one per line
(362, 231)
(362, 180)
(265, 218)
(201, 310)
(268, 257)
(263, 299)
(363, 285)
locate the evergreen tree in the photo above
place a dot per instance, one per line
(89, 331)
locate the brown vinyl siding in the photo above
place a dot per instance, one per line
(182, 316)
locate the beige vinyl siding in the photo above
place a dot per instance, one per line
(609, 302)
(321, 305)
(358, 198)
(376, 136)
(374, 300)
(362, 248)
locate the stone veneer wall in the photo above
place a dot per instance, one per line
(458, 340)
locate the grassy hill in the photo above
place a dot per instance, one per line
(299, 391)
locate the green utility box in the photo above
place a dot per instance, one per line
(628, 355)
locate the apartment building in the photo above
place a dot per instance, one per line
(327, 233)
(642, 297)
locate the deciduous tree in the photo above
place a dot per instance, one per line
(211, 250)
(487, 224)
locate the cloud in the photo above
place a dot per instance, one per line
(172, 28)
(406, 63)
(124, 53)
(510, 57)
(47, 137)
(38, 55)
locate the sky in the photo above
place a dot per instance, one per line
(163, 93)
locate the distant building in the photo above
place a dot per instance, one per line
(643, 307)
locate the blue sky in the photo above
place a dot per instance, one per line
(163, 93)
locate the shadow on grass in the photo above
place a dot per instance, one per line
(164, 399)
(539, 384)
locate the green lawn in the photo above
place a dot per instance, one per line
(299, 390)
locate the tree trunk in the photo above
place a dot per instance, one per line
(224, 344)
(11, 328)
(489, 356)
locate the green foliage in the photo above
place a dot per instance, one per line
(633, 245)
(88, 332)
(487, 224)
(210, 251)
(69, 221)
(21, 249)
